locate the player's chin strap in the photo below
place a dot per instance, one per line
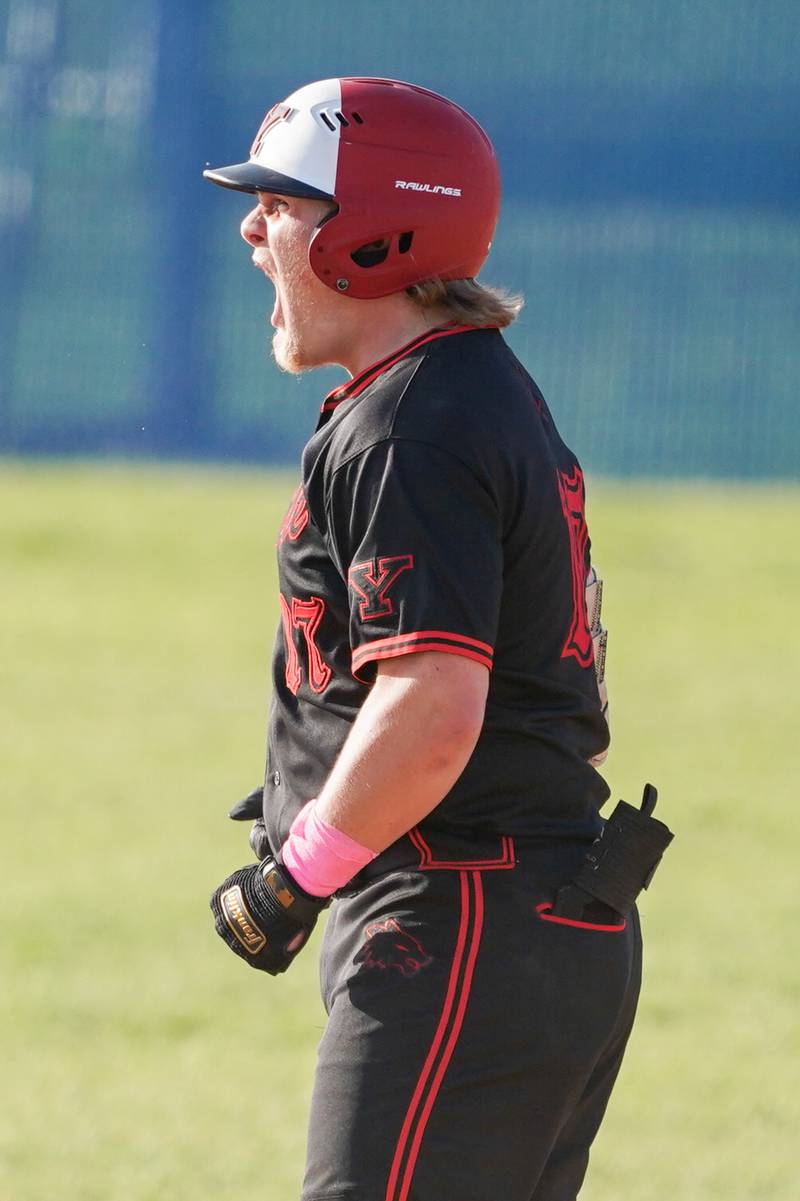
(620, 863)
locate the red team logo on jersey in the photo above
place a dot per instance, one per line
(387, 945)
(296, 518)
(372, 581)
(304, 615)
(571, 491)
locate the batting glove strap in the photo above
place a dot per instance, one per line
(259, 842)
(263, 916)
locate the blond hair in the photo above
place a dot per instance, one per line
(467, 301)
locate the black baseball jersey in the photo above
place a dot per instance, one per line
(439, 510)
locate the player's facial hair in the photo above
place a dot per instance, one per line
(287, 352)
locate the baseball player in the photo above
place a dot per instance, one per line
(438, 709)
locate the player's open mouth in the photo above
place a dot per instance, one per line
(276, 317)
(260, 261)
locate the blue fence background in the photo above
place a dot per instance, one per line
(651, 216)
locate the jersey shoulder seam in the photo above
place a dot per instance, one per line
(396, 438)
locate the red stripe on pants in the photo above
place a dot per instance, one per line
(447, 1032)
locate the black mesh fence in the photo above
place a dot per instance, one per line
(651, 217)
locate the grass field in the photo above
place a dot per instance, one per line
(140, 1062)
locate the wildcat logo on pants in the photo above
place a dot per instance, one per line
(387, 945)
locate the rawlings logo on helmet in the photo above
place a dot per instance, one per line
(387, 945)
(427, 187)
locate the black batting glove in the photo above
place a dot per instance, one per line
(252, 809)
(263, 916)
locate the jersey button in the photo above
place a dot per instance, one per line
(276, 778)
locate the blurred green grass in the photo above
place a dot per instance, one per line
(139, 1061)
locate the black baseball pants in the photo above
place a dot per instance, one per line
(473, 1038)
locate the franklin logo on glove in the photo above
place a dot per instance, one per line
(239, 921)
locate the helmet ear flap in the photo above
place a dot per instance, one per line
(341, 258)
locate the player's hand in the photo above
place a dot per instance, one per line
(263, 916)
(252, 809)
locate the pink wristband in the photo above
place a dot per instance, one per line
(319, 857)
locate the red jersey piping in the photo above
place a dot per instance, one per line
(428, 861)
(356, 385)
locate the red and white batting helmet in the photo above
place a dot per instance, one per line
(403, 164)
